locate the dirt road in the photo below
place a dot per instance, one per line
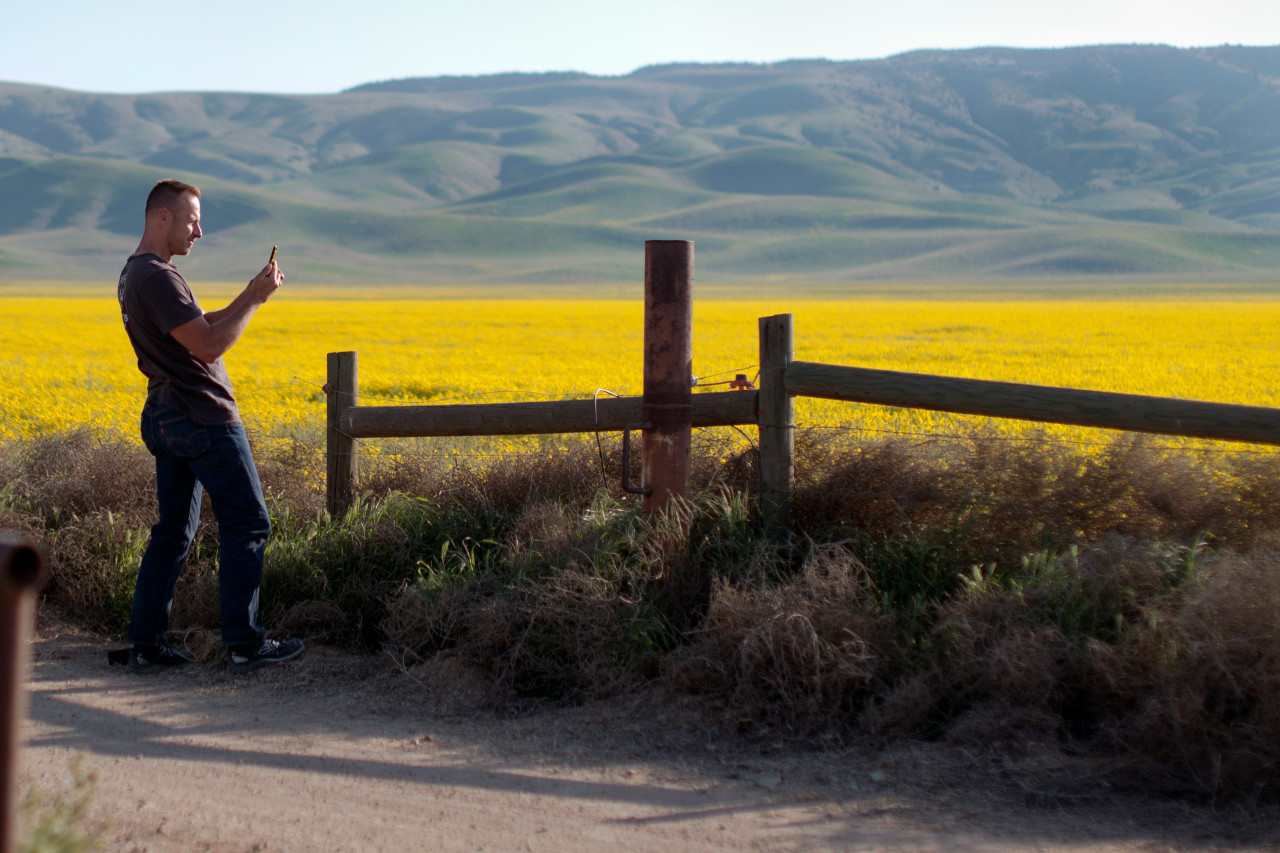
(337, 752)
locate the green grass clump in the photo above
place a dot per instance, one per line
(353, 563)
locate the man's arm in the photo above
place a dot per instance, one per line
(236, 304)
(210, 336)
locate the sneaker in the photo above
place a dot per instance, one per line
(270, 652)
(144, 658)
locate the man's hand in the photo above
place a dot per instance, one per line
(265, 283)
(208, 337)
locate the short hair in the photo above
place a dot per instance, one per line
(168, 191)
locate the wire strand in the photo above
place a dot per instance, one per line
(595, 410)
(1030, 439)
(698, 379)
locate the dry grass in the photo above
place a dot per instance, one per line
(571, 604)
(89, 498)
(1200, 690)
(800, 655)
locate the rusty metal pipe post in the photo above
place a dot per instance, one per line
(668, 370)
(22, 573)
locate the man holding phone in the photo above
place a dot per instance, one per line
(191, 425)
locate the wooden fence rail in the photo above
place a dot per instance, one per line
(609, 414)
(1047, 404)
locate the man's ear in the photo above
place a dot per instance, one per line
(160, 216)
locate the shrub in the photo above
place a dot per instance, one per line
(1123, 596)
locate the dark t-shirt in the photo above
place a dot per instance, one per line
(154, 300)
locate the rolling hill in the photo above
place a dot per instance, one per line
(985, 164)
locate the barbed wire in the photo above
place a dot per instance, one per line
(541, 394)
(698, 383)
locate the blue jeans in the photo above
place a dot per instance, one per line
(191, 459)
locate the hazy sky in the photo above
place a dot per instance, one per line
(324, 46)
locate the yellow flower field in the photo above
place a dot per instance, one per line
(65, 360)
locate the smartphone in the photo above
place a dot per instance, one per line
(274, 249)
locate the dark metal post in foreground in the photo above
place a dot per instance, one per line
(777, 423)
(21, 576)
(668, 369)
(343, 462)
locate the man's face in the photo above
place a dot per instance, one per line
(184, 224)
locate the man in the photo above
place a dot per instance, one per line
(191, 425)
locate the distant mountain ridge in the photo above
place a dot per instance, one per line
(1001, 163)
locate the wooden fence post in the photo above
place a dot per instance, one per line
(342, 457)
(777, 423)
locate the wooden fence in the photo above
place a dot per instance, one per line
(771, 410)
